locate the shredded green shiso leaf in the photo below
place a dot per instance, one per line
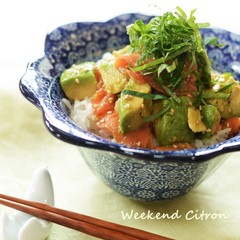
(171, 48)
(166, 43)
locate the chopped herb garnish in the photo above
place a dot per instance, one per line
(170, 93)
(226, 87)
(164, 41)
(213, 41)
(214, 95)
(158, 114)
(144, 95)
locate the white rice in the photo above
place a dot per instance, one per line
(220, 136)
(81, 113)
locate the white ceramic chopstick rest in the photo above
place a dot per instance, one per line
(22, 226)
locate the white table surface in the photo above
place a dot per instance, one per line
(23, 26)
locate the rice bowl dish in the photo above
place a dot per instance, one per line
(139, 173)
(158, 92)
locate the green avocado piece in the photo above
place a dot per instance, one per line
(79, 81)
(204, 67)
(132, 109)
(173, 127)
(230, 107)
(114, 81)
(211, 118)
(226, 84)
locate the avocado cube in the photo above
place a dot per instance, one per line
(132, 108)
(230, 107)
(114, 81)
(173, 127)
(79, 81)
(211, 118)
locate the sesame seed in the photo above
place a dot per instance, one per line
(128, 97)
(172, 110)
(138, 144)
(127, 106)
(174, 138)
(110, 100)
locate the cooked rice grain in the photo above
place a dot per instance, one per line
(220, 136)
(81, 113)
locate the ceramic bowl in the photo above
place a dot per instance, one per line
(141, 174)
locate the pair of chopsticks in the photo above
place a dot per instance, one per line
(92, 226)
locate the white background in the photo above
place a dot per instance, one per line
(24, 23)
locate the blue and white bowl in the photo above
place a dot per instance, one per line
(141, 174)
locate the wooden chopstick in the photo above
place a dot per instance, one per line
(85, 224)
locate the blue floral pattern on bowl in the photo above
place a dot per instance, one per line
(141, 174)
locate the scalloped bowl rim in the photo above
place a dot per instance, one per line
(88, 139)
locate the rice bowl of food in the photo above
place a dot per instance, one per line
(152, 102)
